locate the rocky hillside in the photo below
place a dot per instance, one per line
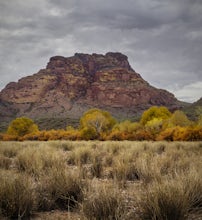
(67, 87)
(194, 110)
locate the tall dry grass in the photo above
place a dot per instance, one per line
(173, 198)
(102, 180)
(37, 160)
(103, 201)
(17, 195)
(60, 189)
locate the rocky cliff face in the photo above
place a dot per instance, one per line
(69, 86)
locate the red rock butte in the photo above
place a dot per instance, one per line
(69, 86)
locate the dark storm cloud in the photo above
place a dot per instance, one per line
(162, 38)
(132, 14)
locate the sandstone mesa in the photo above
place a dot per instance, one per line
(67, 87)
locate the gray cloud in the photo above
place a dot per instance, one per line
(162, 38)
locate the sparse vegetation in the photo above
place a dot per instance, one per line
(101, 180)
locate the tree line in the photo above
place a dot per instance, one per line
(156, 123)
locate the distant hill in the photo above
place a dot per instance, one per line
(59, 94)
(194, 110)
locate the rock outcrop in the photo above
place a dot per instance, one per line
(69, 86)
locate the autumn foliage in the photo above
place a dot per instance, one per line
(21, 127)
(156, 124)
(94, 122)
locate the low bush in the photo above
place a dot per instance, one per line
(173, 199)
(80, 155)
(36, 160)
(17, 197)
(5, 162)
(103, 202)
(164, 201)
(193, 188)
(97, 166)
(124, 170)
(60, 189)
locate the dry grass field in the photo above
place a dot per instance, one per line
(121, 180)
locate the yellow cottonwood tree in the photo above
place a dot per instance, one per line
(97, 120)
(155, 112)
(154, 126)
(127, 126)
(22, 126)
(179, 118)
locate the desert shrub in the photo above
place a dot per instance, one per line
(173, 198)
(60, 189)
(10, 149)
(192, 134)
(181, 134)
(72, 135)
(142, 135)
(30, 137)
(80, 155)
(54, 135)
(146, 170)
(63, 145)
(97, 166)
(5, 162)
(167, 134)
(103, 202)
(193, 189)
(108, 160)
(114, 148)
(164, 201)
(88, 133)
(36, 160)
(9, 137)
(124, 169)
(66, 145)
(17, 198)
(29, 160)
(116, 135)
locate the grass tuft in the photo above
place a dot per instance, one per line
(80, 156)
(35, 161)
(17, 197)
(103, 202)
(164, 201)
(5, 162)
(97, 167)
(60, 190)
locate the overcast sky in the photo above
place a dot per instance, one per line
(162, 38)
